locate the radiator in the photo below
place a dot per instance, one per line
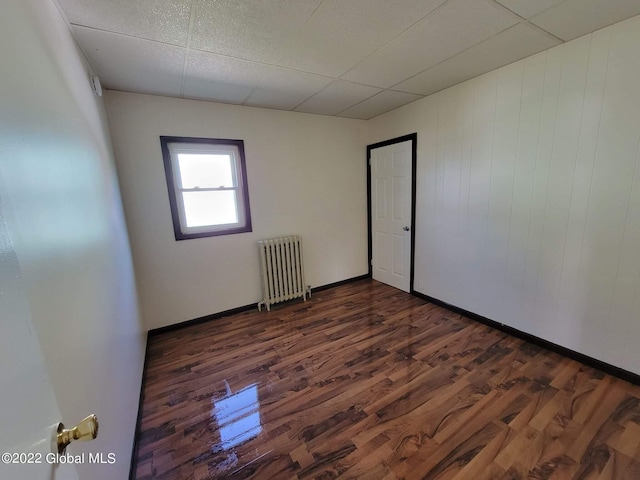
(282, 270)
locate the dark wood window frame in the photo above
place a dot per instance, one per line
(242, 187)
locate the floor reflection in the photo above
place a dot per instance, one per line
(237, 416)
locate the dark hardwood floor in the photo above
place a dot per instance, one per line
(366, 382)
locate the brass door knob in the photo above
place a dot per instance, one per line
(87, 429)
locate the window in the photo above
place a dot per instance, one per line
(207, 182)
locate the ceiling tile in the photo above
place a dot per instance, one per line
(517, 42)
(340, 34)
(528, 8)
(288, 92)
(228, 79)
(132, 64)
(378, 104)
(338, 96)
(151, 19)
(202, 88)
(251, 29)
(218, 78)
(573, 18)
(433, 39)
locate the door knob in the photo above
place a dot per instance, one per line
(406, 229)
(87, 429)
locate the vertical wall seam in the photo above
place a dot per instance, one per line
(626, 224)
(493, 137)
(536, 165)
(573, 182)
(593, 167)
(546, 202)
(513, 186)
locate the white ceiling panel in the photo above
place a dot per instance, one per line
(203, 88)
(151, 19)
(528, 8)
(433, 39)
(573, 18)
(257, 84)
(517, 42)
(210, 77)
(378, 104)
(250, 29)
(132, 64)
(285, 93)
(340, 33)
(336, 97)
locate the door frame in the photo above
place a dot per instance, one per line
(413, 137)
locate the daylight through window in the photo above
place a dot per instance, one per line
(207, 185)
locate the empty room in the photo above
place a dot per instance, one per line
(318, 239)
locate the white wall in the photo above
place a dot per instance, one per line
(59, 194)
(528, 194)
(306, 175)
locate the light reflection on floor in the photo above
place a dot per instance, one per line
(237, 416)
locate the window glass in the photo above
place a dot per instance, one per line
(205, 171)
(210, 208)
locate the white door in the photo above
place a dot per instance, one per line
(28, 407)
(391, 214)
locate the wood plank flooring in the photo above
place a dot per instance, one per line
(366, 382)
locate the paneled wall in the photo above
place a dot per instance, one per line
(528, 195)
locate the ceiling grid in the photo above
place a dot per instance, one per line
(348, 58)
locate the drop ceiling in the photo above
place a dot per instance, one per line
(349, 58)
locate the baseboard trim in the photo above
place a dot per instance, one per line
(341, 282)
(136, 443)
(554, 347)
(244, 308)
(199, 320)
